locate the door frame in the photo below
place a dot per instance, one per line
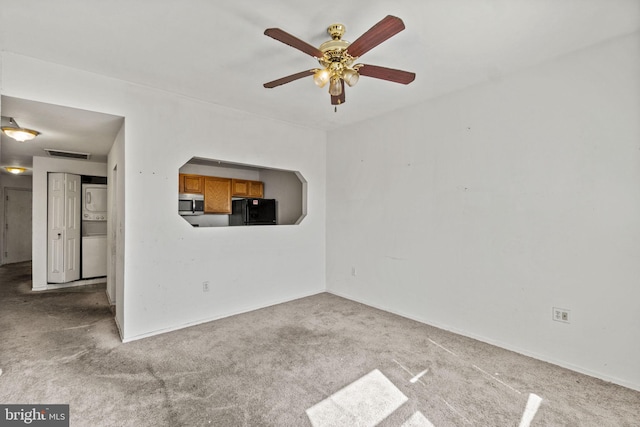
(5, 242)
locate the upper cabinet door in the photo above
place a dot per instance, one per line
(256, 189)
(246, 188)
(217, 195)
(239, 187)
(191, 184)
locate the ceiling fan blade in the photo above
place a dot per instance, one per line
(288, 79)
(340, 99)
(383, 30)
(398, 76)
(286, 38)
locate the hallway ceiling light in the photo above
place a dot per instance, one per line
(19, 133)
(15, 170)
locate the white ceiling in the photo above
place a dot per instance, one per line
(216, 50)
(61, 128)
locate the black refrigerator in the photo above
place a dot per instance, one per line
(253, 212)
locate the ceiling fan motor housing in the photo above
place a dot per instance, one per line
(336, 45)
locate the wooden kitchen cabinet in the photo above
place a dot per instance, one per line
(217, 195)
(190, 184)
(218, 191)
(246, 188)
(256, 189)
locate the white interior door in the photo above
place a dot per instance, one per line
(55, 228)
(63, 222)
(17, 226)
(72, 214)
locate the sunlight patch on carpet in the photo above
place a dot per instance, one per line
(365, 402)
(417, 420)
(530, 411)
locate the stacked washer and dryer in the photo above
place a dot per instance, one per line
(94, 230)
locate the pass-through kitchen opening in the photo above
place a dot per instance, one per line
(215, 193)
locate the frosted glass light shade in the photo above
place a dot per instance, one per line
(335, 88)
(321, 77)
(20, 134)
(350, 77)
(15, 170)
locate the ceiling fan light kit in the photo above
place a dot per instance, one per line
(19, 133)
(336, 62)
(337, 57)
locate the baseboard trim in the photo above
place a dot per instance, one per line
(115, 319)
(111, 302)
(213, 318)
(82, 282)
(506, 346)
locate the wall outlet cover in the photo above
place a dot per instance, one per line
(561, 314)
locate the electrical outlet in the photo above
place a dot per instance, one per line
(205, 286)
(561, 314)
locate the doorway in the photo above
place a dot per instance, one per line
(17, 225)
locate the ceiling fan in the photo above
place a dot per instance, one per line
(337, 58)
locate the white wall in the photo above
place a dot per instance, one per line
(166, 259)
(221, 171)
(480, 211)
(41, 167)
(8, 180)
(287, 189)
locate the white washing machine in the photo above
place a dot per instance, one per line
(94, 249)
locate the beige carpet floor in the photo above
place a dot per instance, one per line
(321, 360)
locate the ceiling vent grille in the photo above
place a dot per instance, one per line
(67, 154)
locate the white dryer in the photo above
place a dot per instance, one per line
(94, 230)
(94, 202)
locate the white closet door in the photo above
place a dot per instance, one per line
(63, 254)
(72, 241)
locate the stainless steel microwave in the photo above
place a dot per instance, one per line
(190, 204)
